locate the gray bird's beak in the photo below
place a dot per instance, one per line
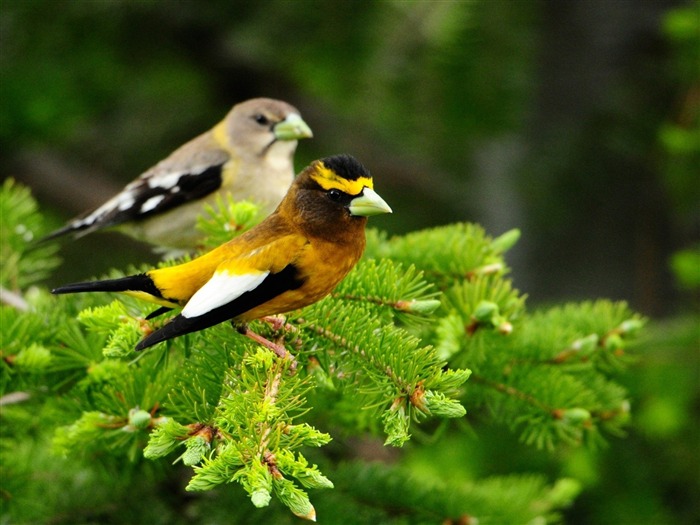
(292, 128)
(368, 203)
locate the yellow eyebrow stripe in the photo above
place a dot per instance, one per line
(329, 180)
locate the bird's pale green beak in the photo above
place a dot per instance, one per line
(292, 128)
(368, 203)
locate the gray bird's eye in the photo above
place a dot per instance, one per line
(261, 119)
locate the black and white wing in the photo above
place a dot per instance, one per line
(161, 189)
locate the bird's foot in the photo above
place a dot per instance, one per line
(276, 321)
(278, 349)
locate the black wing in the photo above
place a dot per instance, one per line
(272, 286)
(146, 197)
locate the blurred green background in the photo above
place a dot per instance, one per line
(554, 117)
(575, 121)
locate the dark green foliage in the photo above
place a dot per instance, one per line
(426, 498)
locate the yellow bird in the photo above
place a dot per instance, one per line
(292, 259)
(249, 154)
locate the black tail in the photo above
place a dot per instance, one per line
(177, 326)
(135, 283)
(181, 325)
(75, 228)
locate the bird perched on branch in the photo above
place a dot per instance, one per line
(249, 154)
(295, 257)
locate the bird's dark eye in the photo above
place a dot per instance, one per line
(261, 119)
(335, 195)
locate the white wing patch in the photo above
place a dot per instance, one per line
(125, 201)
(221, 289)
(151, 203)
(122, 202)
(127, 198)
(169, 180)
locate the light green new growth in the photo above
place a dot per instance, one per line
(253, 435)
(227, 219)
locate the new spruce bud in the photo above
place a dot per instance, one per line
(422, 307)
(506, 241)
(139, 419)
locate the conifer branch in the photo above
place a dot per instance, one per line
(393, 345)
(513, 392)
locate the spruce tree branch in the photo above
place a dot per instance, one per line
(334, 338)
(355, 349)
(481, 271)
(397, 305)
(512, 392)
(271, 392)
(401, 305)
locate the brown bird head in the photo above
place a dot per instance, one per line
(332, 198)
